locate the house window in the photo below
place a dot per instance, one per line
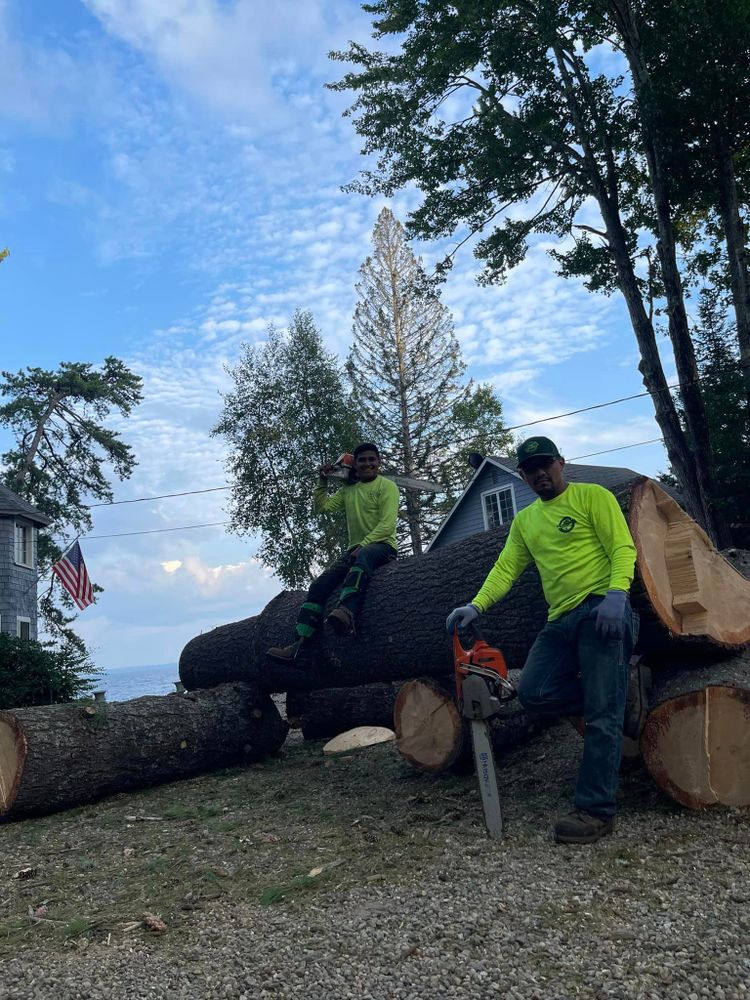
(23, 628)
(498, 507)
(24, 545)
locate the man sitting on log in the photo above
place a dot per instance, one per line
(370, 503)
(578, 666)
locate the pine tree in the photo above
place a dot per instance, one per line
(408, 385)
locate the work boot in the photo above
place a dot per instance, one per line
(341, 621)
(637, 699)
(580, 827)
(286, 654)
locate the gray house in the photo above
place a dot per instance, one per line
(497, 492)
(19, 524)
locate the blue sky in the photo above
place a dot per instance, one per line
(170, 184)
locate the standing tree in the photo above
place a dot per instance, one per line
(490, 106)
(64, 456)
(288, 414)
(406, 371)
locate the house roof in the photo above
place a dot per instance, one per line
(11, 505)
(610, 477)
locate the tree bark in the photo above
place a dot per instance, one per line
(327, 712)
(604, 182)
(735, 235)
(696, 741)
(679, 332)
(692, 603)
(230, 658)
(432, 736)
(58, 756)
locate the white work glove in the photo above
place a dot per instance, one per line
(461, 618)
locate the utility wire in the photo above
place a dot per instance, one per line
(621, 448)
(155, 531)
(162, 496)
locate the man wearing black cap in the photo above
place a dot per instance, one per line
(579, 539)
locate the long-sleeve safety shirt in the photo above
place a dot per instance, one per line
(580, 543)
(371, 509)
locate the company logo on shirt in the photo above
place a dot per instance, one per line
(566, 524)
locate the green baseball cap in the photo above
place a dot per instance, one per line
(533, 447)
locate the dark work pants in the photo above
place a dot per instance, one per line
(571, 670)
(354, 573)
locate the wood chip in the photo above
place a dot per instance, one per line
(153, 923)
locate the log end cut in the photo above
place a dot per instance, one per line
(697, 747)
(13, 752)
(429, 729)
(692, 588)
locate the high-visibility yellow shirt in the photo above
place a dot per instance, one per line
(580, 543)
(371, 509)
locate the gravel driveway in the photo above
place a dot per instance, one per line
(412, 901)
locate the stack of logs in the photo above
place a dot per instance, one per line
(695, 621)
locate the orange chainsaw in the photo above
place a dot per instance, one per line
(482, 685)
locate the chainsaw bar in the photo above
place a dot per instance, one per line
(478, 706)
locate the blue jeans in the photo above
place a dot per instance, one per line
(570, 670)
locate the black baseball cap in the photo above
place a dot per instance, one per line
(534, 447)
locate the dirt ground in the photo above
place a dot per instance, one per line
(276, 832)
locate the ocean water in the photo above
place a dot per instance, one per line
(124, 683)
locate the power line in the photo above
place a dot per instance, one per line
(155, 531)
(161, 496)
(621, 448)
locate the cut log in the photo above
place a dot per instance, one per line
(686, 586)
(324, 714)
(401, 632)
(696, 741)
(432, 736)
(221, 656)
(57, 756)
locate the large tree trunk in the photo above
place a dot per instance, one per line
(432, 736)
(688, 595)
(735, 235)
(326, 713)
(696, 741)
(57, 756)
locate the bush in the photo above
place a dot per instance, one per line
(35, 673)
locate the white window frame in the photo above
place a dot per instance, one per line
(19, 620)
(17, 554)
(498, 489)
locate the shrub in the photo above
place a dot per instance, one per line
(35, 673)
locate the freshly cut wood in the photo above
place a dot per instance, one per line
(429, 728)
(401, 632)
(57, 756)
(696, 741)
(690, 588)
(326, 713)
(357, 739)
(432, 736)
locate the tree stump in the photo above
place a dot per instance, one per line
(58, 756)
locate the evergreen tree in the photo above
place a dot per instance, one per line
(288, 414)
(406, 375)
(64, 456)
(727, 407)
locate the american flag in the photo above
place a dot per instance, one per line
(72, 572)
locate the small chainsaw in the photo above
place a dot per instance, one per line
(482, 685)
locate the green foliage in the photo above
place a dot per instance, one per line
(289, 413)
(64, 456)
(35, 673)
(727, 411)
(5, 252)
(406, 376)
